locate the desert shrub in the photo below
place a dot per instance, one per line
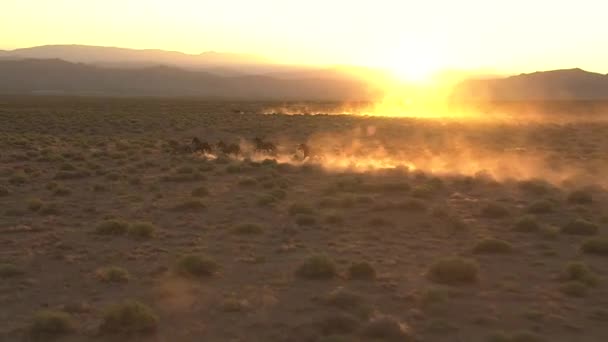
(76, 174)
(112, 227)
(348, 301)
(333, 218)
(9, 270)
(412, 204)
(453, 271)
(597, 245)
(364, 199)
(35, 204)
(578, 271)
(112, 274)
(432, 297)
(300, 208)
(527, 224)
(200, 191)
(534, 187)
(61, 191)
(265, 200)
(522, 336)
(248, 229)
(305, 220)
(49, 209)
(492, 246)
(379, 222)
(129, 317)
(580, 227)
(189, 205)
(49, 324)
(4, 191)
(18, 179)
(387, 328)
(338, 323)
(99, 188)
(278, 194)
(423, 191)
(141, 230)
(580, 197)
(574, 289)
(196, 266)
(361, 271)
(317, 267)
(494, 210)
(248, 182)
(541, 207)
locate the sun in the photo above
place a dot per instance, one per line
(413, 63)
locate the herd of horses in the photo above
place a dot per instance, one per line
(231, 149)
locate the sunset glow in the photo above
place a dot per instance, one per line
(413, 39)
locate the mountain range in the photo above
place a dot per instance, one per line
(109, 71)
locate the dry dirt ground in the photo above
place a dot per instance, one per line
(400, 230)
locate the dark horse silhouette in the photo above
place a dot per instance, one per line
(200, 146)
(228, 149)
(262, 146)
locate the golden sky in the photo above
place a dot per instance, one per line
(507, 36)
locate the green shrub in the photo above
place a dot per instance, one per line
(112, 227)
(492, 246)
(48, 324)
(580, 227)
(317, 267)
(196, 266)
(454, 271)
(35, 204)
(129, 317)
(578, 271)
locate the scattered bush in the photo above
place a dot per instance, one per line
(534, 187)
(248, 229)
(112, 227)
(142, 230)
(4, 191)
(492, 246)
(580, 227)
(48, 324)
(597, 245)
(454, 271)
(112, 274)
(189, 205)
(305, 220)
(578, 271)
(35, 204)
(339, 323)
(200, 191)
(527, 224)
(387, 328)
(580, 197)
(494, 210)
(317, 267)
(129, 317)
(9, 270)
(574, 289)
(541, 207)
(248, 182)
(299, 208)
(334, 219)
(361, 271)
(196, 266)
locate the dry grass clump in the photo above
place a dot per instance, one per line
(9, 270)
(196, 266)
(300, 208)
(580, 197)
(578, 271)
(317, 267)
(305, 220)
(189, 205)
(542, 206)
(129, 317)
(454, 271)
(200, 191)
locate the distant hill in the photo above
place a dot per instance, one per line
(569, 84)
(55, 76)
